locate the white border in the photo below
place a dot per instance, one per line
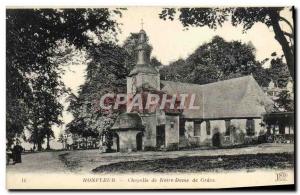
(99, 3)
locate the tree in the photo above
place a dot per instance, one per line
(106, 73)
(32, 35)
(155, 63)
(45, 113)
(279, 72)
(36, 132)
(246, 16)
(217, 60)
(47, 87)
(62, 140)
(175, 71)
(284, 102)
(18, 95)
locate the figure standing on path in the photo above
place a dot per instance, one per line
(17, 153)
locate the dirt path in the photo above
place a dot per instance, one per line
(86, 160)
(43, 162)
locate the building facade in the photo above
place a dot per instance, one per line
(229, 111)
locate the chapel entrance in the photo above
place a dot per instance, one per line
(216, 139)
(139, 141)
(160, 136)
(116, 142)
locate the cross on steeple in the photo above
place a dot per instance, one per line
(142, 23)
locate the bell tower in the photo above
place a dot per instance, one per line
(143, 74)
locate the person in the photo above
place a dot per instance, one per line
(17, 152)
(9, 154)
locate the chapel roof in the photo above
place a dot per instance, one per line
(234, 98)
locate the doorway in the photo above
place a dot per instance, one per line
(160, 136)
(116, 142)
(139, 141)
(216, 139)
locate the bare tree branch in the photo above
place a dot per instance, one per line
(290, 35)
(287, 22)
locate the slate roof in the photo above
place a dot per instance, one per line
(234, 98)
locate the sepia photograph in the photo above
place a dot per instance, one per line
(150, 97)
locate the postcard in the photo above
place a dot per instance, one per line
(150, 97)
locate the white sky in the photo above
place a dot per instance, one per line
(171, 42)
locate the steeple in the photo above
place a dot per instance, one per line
(143, 49)
(143, 56)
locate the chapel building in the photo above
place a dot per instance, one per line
(229, 111)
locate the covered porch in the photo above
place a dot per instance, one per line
(281, 126)
(128, 132)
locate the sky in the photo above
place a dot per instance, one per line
(170, 41)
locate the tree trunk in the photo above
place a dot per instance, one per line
(48, 142)
(86, 142)
(279, 36)
(39, 146)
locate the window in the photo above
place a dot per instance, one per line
(197, 128)
(227, 126)
(172, 125)
(208, 127)
(250, 127)
(182, 127)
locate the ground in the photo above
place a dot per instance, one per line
(83, 161)
(193, 164)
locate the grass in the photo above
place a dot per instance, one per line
(71, 165)
(202, 163)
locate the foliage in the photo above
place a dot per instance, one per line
(214, 61)
(245, 16)
(33, 72)
(106, 73)
(285, 102)
(278, 72)
(62, 140)
(108, 67)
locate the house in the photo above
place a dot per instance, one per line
(228, 112)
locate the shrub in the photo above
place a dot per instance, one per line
(251, 140)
